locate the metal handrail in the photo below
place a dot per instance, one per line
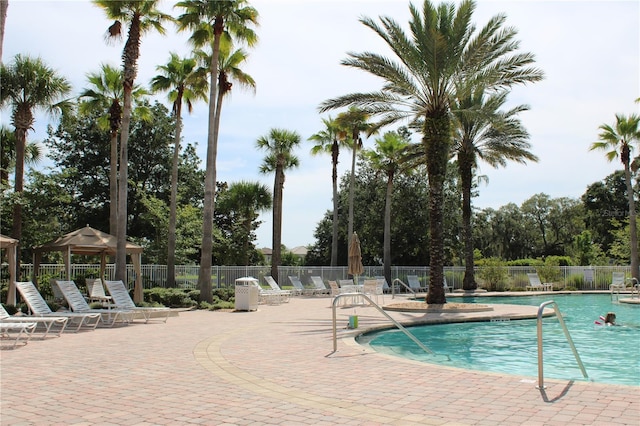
(375, 305)
(393, 287)
(567, 335)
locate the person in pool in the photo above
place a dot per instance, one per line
(610, 319)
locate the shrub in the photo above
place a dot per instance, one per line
(493, 274)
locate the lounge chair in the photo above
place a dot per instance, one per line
(536, 285)
(385, 284)
(373, 288)
(47, 322)
(17, 331)
(38, 306)
(319, 285)
(334, 288)
(275, 288)
(96, 293)
(299, 287)
(618, 282)
(414, 284)
(77, 303)
(122, 300)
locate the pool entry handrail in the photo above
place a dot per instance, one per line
(399, 281)
(375, 305)
(567, 335)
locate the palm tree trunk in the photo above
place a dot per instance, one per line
(466, 176)
(113, 185)
(632, 222)
(276, 256)
(4, 5)
(386, 248)
(334, 178)
(352, 183)
(173, 208)
(437, 135)
(16, 230)
(204, 276)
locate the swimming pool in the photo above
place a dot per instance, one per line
(609, 354)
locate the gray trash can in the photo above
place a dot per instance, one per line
(247, 294)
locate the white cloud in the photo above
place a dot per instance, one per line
(589, 51)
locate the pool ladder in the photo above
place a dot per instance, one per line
(389, 317)
(567, 335)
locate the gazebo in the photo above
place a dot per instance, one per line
(10, 245)
(91, 242)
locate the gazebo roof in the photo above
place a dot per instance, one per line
(86, 241)
(7, 241)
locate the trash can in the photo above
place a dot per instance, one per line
(247, 294)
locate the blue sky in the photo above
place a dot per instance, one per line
(589, 51)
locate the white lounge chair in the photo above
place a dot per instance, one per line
(17, 331)
(38, 306)
(373, 288)
(275, 288)
(319, 285)
(96, 292)
(536, 285)
(385, 284)
(414, 284)
(618, 281)
(77, 303)
(48, 323)
(299, 287)
(122, 300)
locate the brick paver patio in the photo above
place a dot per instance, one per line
(276, 366)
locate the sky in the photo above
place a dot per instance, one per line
(588, 50)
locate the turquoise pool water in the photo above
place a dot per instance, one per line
(609, 354)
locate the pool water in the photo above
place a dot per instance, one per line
(609, 354)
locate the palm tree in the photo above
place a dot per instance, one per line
(441, 50)
(279, 144)
(387, 158)
(32, 155)
(4, 5)
(329, 141)
(105, 94)
(27, 85)
(483, 132)
(248, 199)
(354, 121)
(142, 16)
(186, 83)
(617, 141)
(209, 21)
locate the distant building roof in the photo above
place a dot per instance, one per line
(299, 251)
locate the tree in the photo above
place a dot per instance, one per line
(483, 132)
(186, 83)
(105, 94)
(246, 200)
(328, 141)
(209, 21)
(279, 145)
(4, 5)
(617, 142)
(441, 50)
(387, 158)
(32, 155)
(141, 16)
(356, 122)
(27, 85)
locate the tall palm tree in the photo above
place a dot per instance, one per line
(279, 144)
(248, 199)
(356, 122)
(483, 132)
(186, 83)
(27, 85)
(617, 141)
(209, 22)
(329, 141)
(388, 158)
(4, 5)
(104, 95)
(141, 16)
(442, 49)
(32, 154)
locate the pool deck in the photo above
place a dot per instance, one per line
(276, 366)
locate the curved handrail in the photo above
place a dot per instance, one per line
(567, 335)
(375, 305)
(393, 287)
